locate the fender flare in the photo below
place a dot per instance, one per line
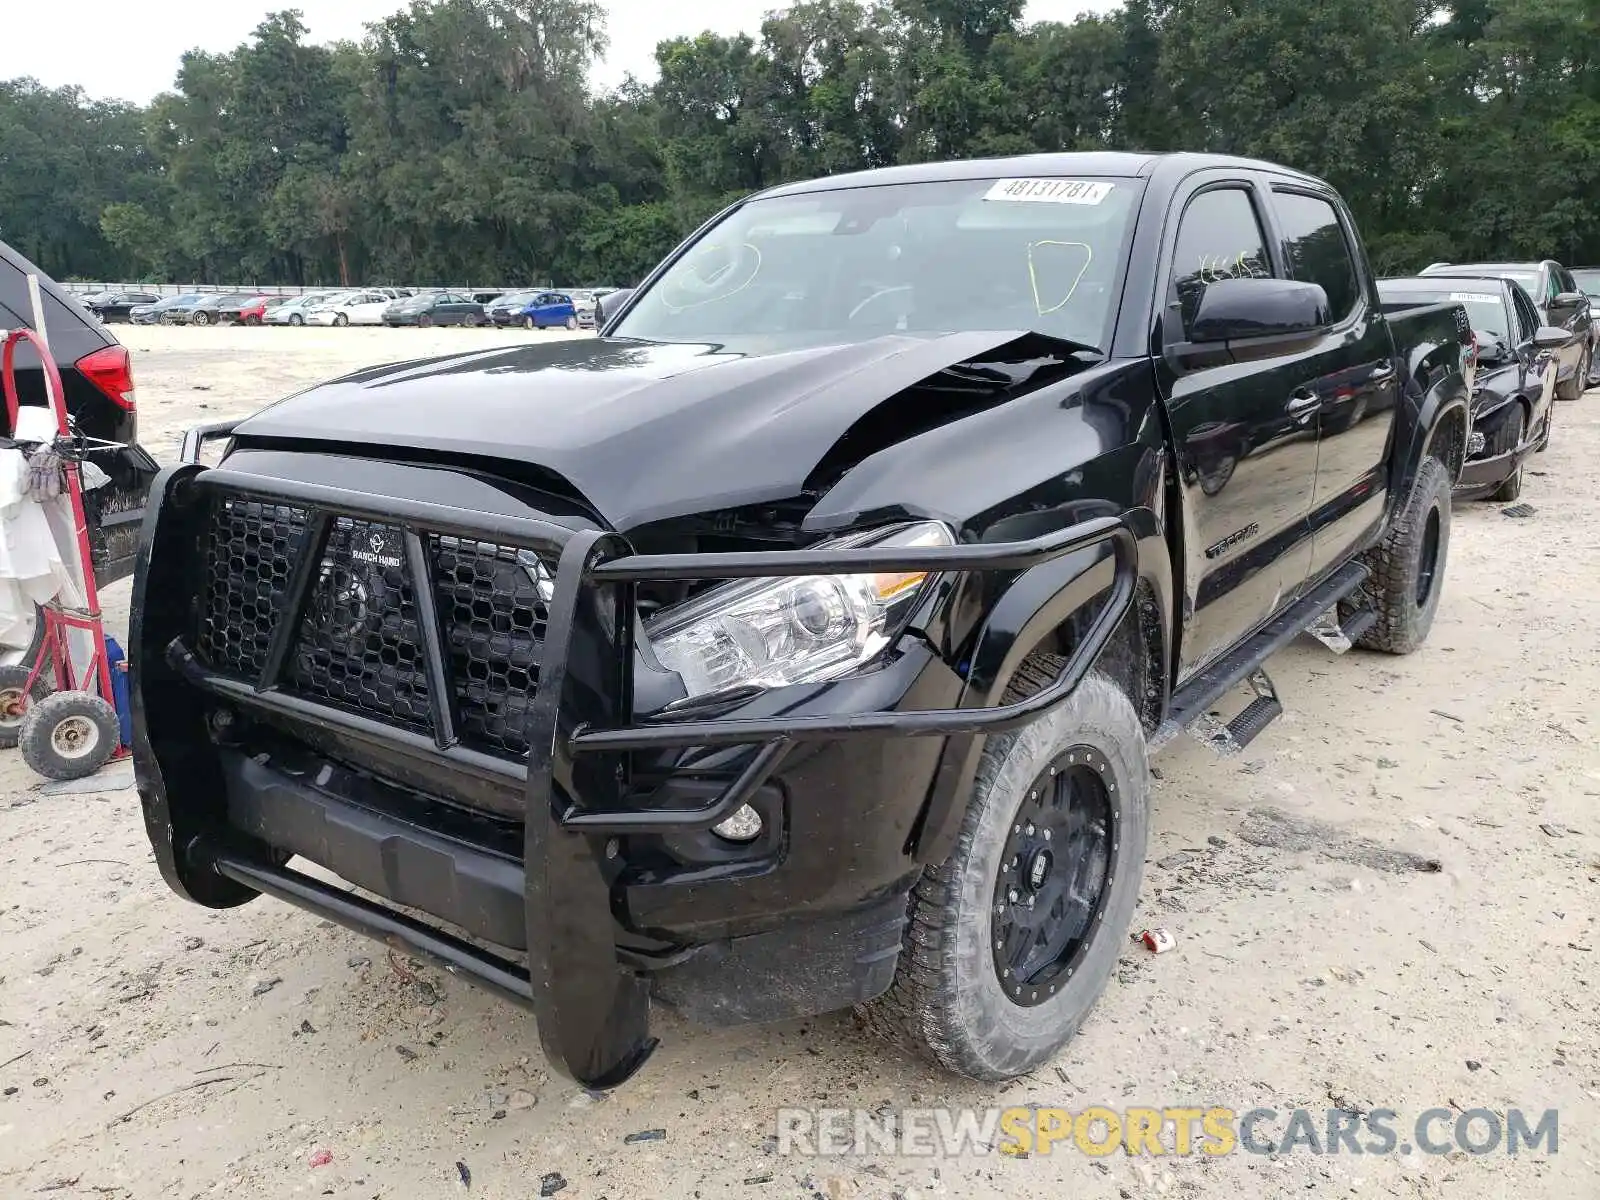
(1417, 436)
(1035, 605)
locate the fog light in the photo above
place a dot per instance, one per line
(743, 826)
(1476, 443)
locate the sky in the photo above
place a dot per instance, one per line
(129, 49)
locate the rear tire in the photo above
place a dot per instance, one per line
(1408, 567)
(68, 735)
(951, 1000)
(16, 699)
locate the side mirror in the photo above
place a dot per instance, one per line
(1491, 350)
(1235, 309)
(1570, 300)
(1548, 337)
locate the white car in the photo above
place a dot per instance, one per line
(296, 311)
(351, 308)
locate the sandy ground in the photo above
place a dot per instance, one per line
(149, 1048)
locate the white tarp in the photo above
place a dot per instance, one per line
(38, 551)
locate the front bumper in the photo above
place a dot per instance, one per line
(225, 819)
(1490, 461)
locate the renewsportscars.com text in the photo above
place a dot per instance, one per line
(1097, 1131)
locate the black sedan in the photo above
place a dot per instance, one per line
(436, 308)
(1561, 303)
(112, 307)
(1515, 380)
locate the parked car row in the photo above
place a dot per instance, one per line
(1535, 338)
(534, 308)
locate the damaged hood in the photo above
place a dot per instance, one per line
(650, 431)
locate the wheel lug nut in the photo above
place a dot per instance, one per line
(1013, 894)
(1047, 835)
(1030, 830)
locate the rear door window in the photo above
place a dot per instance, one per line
(1317, 249)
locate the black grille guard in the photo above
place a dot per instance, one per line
(590, 1002)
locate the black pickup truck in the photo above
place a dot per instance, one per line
(799, 642)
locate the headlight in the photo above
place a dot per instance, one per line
(772, 632)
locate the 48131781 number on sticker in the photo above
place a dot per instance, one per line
(1049, 191)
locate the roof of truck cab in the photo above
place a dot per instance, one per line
(1044, 166)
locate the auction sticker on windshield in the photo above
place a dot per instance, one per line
(1049, 191)
(1473, 298)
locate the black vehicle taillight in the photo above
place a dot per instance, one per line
(111, 370)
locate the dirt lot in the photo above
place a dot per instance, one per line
(153, 1049)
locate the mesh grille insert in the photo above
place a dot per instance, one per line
(245, 558)
(493, 612)
(359, 645)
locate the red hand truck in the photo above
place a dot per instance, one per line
(71, 729)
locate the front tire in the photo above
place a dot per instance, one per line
(572, 323)
(201, 318)
(988, 984)
(1408, 567)
(424, 322)
(340, 320)
(1510, 438)
(296, 319)
(1579, 381)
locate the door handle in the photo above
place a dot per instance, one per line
(1303, 402)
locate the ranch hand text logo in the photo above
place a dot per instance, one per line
(375, 548)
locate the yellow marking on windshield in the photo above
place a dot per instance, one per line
(754, 271)
(1033, 274)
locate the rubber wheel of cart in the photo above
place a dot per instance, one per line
(1408, 567)
(68, 735)
(16, 700)
(1044, 878)
(1510, 438)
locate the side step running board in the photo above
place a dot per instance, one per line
(1227, 740)
(1195, 698)
(1341, 636)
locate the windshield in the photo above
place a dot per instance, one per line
(849, 265)
(1589, 281)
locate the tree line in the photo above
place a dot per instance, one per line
(460, 139)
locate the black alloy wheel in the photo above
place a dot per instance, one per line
(1055, 866)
